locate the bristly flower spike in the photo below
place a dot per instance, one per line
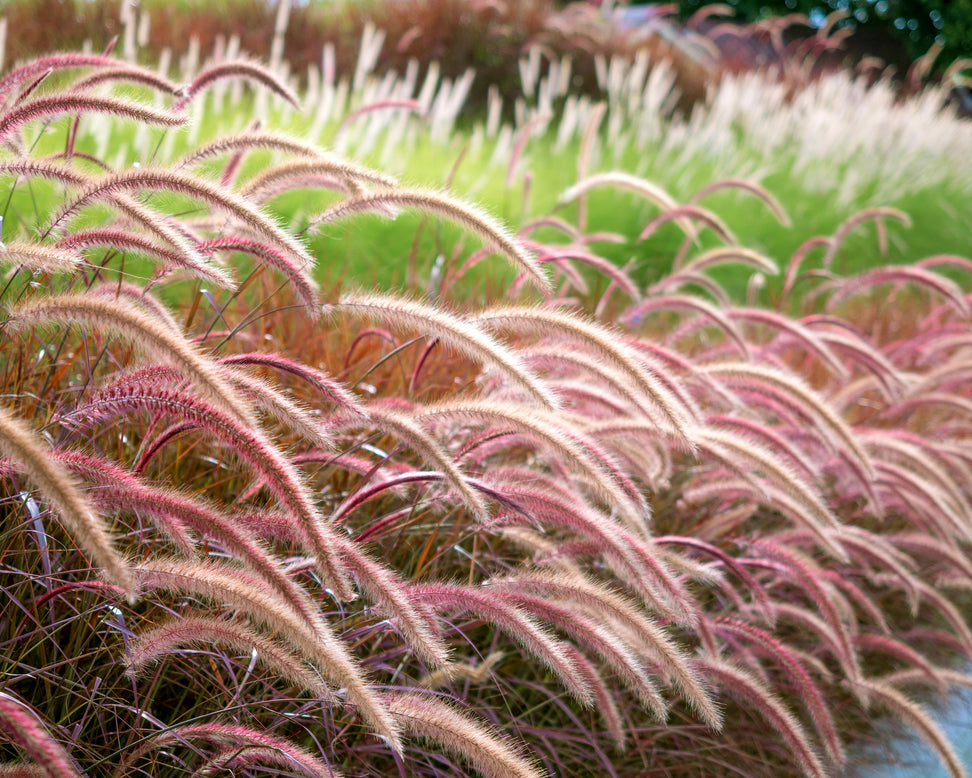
(463, 213)
(53, 105)
(299, 277)
(223, 582)
(127, 72)
(24, 729)
(410, 432)
(51, 62)
(549, 430)
(424, 715)
(742, 684)
(175, 254)
(510, 618)
(236, 69)
(38, 256)
(330, 389)
(321, 163)
(454, 331)
(250, 444)
(151, 334)
(125, 491)
(915, 715)
(238, 741)
(250, 140)
(19, 444)
(152, 645)
(215, 195)
(603, 340)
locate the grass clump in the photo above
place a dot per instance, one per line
(544, 513)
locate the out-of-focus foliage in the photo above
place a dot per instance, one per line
(913, 25)
(455, 34)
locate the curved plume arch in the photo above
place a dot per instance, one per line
(113, 184)
(22, 446)
(456, 332)
(465, 214)
(152, 334)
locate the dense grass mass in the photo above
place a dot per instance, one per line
(343, 433)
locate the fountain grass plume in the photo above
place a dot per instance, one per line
(24, 449)
(151, 334)
(426, 716)
(455, 331)
(249, 443)
(605, 341)
(51, 62)
(469, 216)
(321, 164)
(772, 438)
(251, 71)
(752, 188)
(915, 542)
(177, 253)
(696, 305)
(141, 297)
(943, 517)
(604, 699)
(631, 558)
(410, 432)
(465, 671)
(756, 589)
(740, 683)
(812, 624)
(512, 619)
(327, 387)
(948, 610)
(745, 455)
(899, 275)
(919, 457)
(130, 73)
(299, 277)
(621, 180)
(798, 331)
(43, 169)
(686, 213)
(721, 254)
(613, 650)
(790, 662)
(227, 583)
(651, 639)
(127, 492)
(802, 571)
(23, 728)
(560, 359)
(901, 651)
(23, 770)
(560, 257)
(153, 645)
(916, 716)
(234, 739)
(233, 759)
(217, 196)
(878, 213)
(794, 390)
(550, 432)
(391, 594)
(68, 103)
(247, 141)
(37, 256)
(278, 407)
